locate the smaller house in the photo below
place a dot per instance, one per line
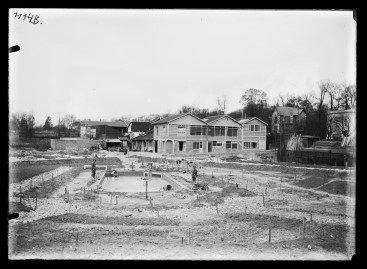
(102, 129)
(143, 142)
(287, 120)
(253, 133)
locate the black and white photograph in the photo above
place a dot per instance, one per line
(182, 134)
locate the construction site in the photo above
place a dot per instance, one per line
(146, 206)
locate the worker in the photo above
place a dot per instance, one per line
(94, 168)
(194, 174)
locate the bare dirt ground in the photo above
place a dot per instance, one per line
(232, 220)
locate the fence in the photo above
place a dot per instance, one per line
(318, 157)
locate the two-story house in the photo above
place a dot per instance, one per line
(287, 119)
(224, 134)
(253, 133)
(180, 133)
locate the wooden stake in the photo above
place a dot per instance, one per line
(146, 189)
(216, 205)
(84, 193)
(111, 199)
(189, 236)
(20, 193)
(263, 200)
(116, 199)
(269, 230)
(310, 216)
(304, 228)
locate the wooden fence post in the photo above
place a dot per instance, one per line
(36, 199)
(84, 193)
(216, 205)
(263, 200)
(310, 216)
(20, 193)
(304, 228)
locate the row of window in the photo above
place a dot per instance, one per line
(229, 145)
(213, 130)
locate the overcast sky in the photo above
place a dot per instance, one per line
(101, 64)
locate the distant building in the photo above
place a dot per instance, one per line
(288, 120)
(341, 123)
(103, 129)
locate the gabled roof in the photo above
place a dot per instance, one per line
(247, 120)
(287, 111)
(175, 117)
(211, 119)
(139, 126)
(108, 123)
(148, 136)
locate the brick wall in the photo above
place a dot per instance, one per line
(79, 144)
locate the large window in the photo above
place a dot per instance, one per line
(220, 130)
(211, 130)
(254, 127)
(231, 145)
(250, 145)
(232, 131)
(195, 130)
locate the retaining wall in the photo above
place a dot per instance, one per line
(77, 144)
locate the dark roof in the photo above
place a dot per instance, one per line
(148, 136)
(139, 126)
(108, 123)
(286, 111)
(174, 117)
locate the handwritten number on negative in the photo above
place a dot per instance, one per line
(30, 17)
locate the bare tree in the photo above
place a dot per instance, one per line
(282, 99)
(67, 124)
(348, 96)
(222, 103)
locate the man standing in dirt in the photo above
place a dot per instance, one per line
(94, 168)
(194, 174)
